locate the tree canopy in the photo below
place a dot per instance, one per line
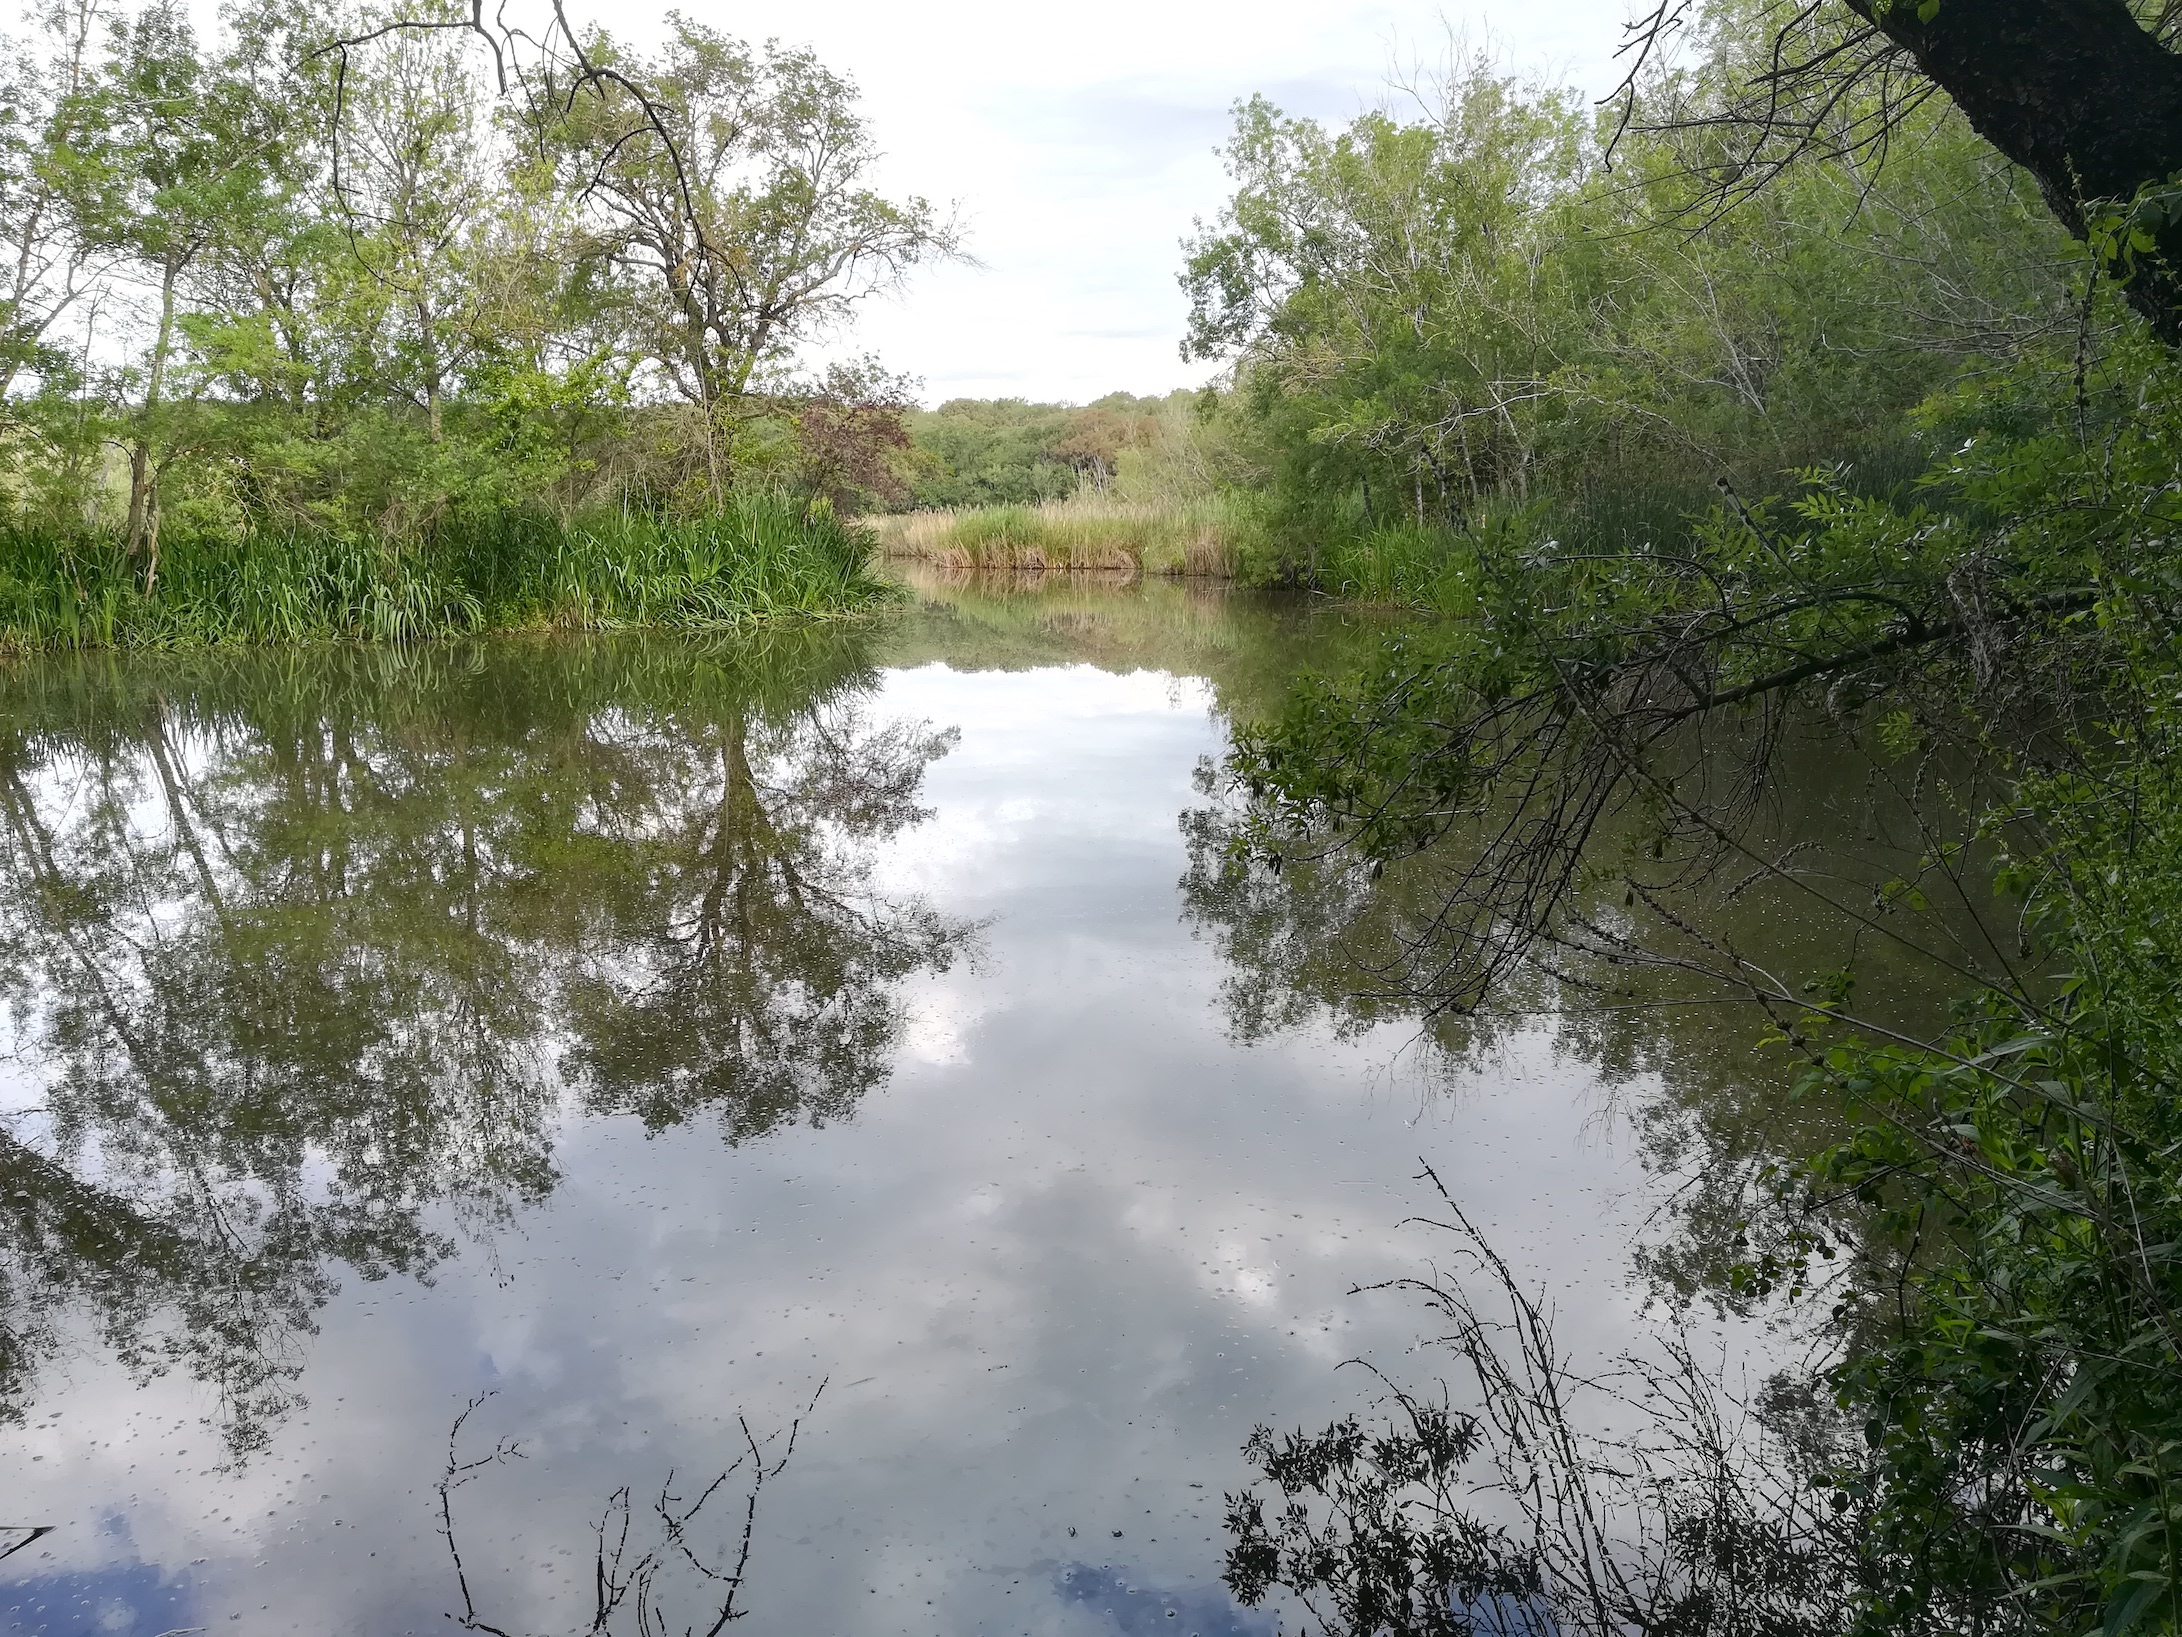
(343, 271)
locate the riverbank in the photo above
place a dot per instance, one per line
(1206, 537)
(1224, 536)
(757, 559)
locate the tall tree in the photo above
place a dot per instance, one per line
(2085, 95)
(50, 265)
(197, 145)
(733, 201)
(415, 182)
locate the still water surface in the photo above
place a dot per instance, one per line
(637, 1035)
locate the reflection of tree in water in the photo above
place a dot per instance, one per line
(1626, 976)
(301, 949)
(751, 963)
(1542, 1495)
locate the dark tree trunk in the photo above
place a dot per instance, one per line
(2078, 93)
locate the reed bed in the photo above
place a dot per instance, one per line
(1400, 567)
(759, 559)
(1427, 567)
(1197, 537)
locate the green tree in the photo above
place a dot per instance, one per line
(190, 148)
(1389, 285)
(731, 207)
(51, 264)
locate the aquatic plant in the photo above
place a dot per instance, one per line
(758, 558)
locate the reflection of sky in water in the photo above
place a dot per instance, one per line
(1142, 1611)
(119, 1597)
(1052, 1272)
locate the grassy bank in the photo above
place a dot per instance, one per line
(1434, 566)
(1207, 536)
(1224, 536)
(1337, 549)
(758, 559)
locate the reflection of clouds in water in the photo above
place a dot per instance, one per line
(1055, 754)
(1055, 1270)
(1047, 701)
(1150, 1611)
(936, 1020)
(134, 1598)
(1232, 1275)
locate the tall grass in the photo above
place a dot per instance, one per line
(1334, 547)
(1401, 566)
(759, 559)
(1203, 536)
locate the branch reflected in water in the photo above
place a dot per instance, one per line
(634, 1586)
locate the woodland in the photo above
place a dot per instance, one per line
(1818, 391)
(1819, 386)
(375, 326)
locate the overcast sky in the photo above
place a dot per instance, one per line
(1079, 145)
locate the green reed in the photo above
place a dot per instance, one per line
(760, 558)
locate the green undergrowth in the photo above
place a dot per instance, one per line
(1404, 566)
(1432, 566)
(758, 559)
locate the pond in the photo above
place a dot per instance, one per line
(458, 1095)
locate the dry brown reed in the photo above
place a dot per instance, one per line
(1199, 537)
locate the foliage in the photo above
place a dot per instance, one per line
(1598, 736)
(2022, 1397)
(1436, 320)
(290, 282)
(2003, 1352)
(731, 204)
(1006, 451)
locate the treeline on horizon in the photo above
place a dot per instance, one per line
(972, 452)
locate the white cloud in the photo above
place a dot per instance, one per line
(1080, 146)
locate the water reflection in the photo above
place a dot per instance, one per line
(1640, 976)
(301, 950)
(439, 990)
(1152, 1611)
